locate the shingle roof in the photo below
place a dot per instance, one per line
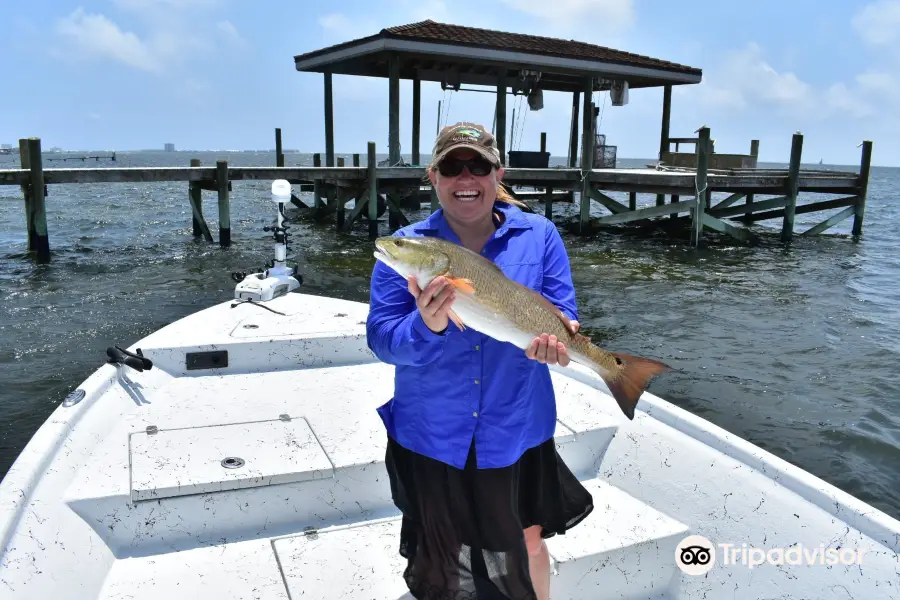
(487, 38)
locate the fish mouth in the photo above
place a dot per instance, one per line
(382, 253)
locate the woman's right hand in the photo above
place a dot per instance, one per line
(433, 302)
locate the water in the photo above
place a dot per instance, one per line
(794, 349)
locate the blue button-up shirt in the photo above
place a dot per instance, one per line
(451, 387)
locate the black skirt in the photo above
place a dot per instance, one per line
(462, 530)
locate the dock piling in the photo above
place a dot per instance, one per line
(787, 225)
(279, 156)
(35, 205)
(865, 164)
(587, 162)
(224, 207)
(372, 181)
(700, 183)
(195, 199)
(317, 184)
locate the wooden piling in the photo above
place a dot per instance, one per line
(787, 225)
(632, 200)
(279, 156)
(500, 136)
(416, 119)
(666, 118)
(224, 208)
(754, 152)
(587, 155)
(195, 199)
(317, 184)
(573, 132)
(393, 134)
(372, 181)
(26, 194)
(700, 182)
(329, 123)
(36, 210)
(865, 164)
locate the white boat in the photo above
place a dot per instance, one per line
(248, 463)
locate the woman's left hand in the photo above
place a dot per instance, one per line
(549, 350)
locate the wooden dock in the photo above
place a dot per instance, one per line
(376, 189)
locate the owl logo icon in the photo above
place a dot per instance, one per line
(695, 555)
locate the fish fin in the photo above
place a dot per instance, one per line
(461, 284)
(455, 318)
(631, 380)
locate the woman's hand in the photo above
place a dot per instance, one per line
(549, 350)
(433, 302)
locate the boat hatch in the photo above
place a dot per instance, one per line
(368, 556)
(167, 463)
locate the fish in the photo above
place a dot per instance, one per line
(490, 302)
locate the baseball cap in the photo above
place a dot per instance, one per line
(466, 135)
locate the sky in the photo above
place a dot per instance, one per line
(219, 74)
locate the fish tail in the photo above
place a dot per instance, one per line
(629, 379)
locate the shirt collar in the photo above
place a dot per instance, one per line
(514, 218)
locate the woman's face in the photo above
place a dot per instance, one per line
(466, 198)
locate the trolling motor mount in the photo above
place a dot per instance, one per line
(277, 279)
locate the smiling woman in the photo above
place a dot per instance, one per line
(470, 454)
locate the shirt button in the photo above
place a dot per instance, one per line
(475, 414)
(476, 382)
(477, 347)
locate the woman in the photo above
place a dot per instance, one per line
(470, 453)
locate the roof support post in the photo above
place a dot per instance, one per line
(417, 118)
(666, 113)
(587, 153)
(573, 132)
(329, 123)
(501, 115)
(394, 111)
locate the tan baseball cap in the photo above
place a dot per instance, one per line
(466, 135)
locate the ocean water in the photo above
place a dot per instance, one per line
(793, 348)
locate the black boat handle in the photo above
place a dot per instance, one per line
(122, 356)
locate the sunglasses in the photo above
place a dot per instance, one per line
(451, 167)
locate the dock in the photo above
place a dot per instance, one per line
(682, 183)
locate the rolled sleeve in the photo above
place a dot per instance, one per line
(557, 285)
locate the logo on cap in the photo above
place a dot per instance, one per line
(468, 132)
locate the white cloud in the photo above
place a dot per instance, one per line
(170, 36)
(878, 23)
(880, 82)
(230, 33)
(839, 98)
(94, 35)
(609, 14)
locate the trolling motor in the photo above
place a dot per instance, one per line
(278, 279)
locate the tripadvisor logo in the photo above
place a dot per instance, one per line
(696, 555)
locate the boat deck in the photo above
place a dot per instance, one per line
(134, 500)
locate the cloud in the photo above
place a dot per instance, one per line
(94, 35)
(230, 33)
(170, 37)
(746, 78)
(612, 14)
(878, 24)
